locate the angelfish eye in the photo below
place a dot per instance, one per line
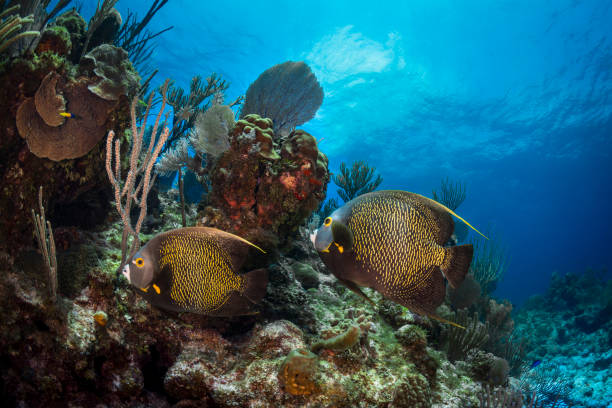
(327, 222)
(139, 262)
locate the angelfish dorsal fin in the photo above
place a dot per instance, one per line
(249, 243)
(451, 212)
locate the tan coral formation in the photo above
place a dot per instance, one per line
(49, 104)
(115, 74)
(77, 135)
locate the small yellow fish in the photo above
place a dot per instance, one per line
(101, 318)
(67, 114)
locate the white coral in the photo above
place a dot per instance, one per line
(174, 158)
(211, 131)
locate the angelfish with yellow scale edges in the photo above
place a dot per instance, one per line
(197, 270)
(393, 242)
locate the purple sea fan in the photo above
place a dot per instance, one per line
(287, 93)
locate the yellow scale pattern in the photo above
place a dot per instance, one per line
(202, 278)
(394, 241)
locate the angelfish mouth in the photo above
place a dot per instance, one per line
(126, 272)
(313, 236)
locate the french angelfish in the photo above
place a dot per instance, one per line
(393, 242)
(196, 270)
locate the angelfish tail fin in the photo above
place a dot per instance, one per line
(457, 263)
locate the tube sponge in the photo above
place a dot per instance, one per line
(298, 372)
(340, 342)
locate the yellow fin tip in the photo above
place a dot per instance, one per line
(451, 212)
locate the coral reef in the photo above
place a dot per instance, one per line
(574, 326)
(298, 373)
(75, 334)
(50, 113)
(102, 344)
(341, 342)
(75, 25)
(261, 191)
(489, 263)
(211, 130)
(10, 25)
(55, 39)
(466, 294)
(55, 113)
(451, 195)
(461, 340)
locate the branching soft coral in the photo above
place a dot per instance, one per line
(489, 263)
(460, 341)
(357, 180)
(10, 25)
(451, 194)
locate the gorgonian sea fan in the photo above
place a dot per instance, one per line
(287, 93)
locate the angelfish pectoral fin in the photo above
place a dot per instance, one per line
(145, 290)
(343, 236)
(156, 288)
(356, 289)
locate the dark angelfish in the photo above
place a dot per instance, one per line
(393, 242)
(196, 270)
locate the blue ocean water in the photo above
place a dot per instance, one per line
(511, 97)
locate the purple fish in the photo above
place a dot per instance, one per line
(535, 364)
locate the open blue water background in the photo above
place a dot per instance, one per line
(512, 97)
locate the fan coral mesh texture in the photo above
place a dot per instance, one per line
(287, 93)
(211, 132)
(174, 159)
